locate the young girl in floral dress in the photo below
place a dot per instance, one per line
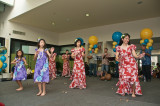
(79, 77)
(52, 64)
(128, 70)
(41, 73)
(66, 67)
(19, 70)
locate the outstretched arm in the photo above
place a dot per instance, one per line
(14, 61)
(48, 53)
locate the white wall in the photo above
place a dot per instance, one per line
(104, 33)
(32, 33)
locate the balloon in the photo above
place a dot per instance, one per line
(82, 42)
(146, 33)
(90, 49)
(82, 46)
(4, 65)
(116, 36)
(96, 49)
(146, 41)
(93, 40)
(147, 47)
(0, 69)
(150, 41)
(1, 64)
(90, 52)
(95, 46)
(149, 44)
(114, 49)
(151, 48)
(91, 46)
(118, 42)
(141, 41)
(144, 44)
(3, 59)
(96, 52)
(3, 50)
(114, 43)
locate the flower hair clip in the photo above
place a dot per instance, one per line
(39, 39)
(122, 36)
(17, 50)
(76, 40)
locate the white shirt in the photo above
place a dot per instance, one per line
(28, 71)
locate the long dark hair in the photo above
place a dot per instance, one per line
(123, 36)
(44, 43)
(75, 43)
(17, 53)
(50, 50)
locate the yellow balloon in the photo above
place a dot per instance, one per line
(32, 71)
(146, 33)
(114, 43)
(96, 52)
(149, 44)
(96, 49)
(90, 49)
(91, 46)
(82, 46)
(141, 41)
(150, 41)
(147, 47)
(93, 40)
(1, 64)
(113, 47)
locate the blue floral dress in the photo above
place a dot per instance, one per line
(20, 70)
(41, 73)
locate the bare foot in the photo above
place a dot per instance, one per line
(133, 95)
(19, 89)
(39, 93)
(52, 78)
(80, 88)
(122, 94)
(43, 94)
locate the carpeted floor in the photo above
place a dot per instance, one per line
(98, 93)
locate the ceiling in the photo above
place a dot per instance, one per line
(70, 15)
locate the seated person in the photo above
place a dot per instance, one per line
(29, 76)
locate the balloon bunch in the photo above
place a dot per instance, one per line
(146, 35)
(116, 36)
(93, 40)
(3, 51)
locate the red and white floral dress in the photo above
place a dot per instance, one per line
(79, 77)
(52, 66)
(66, 67)
(128, 72)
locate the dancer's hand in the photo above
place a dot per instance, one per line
(37, 52)
(141, 55)
(117, 59)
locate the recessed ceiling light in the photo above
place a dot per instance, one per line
(87, 14)
(53, 23)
